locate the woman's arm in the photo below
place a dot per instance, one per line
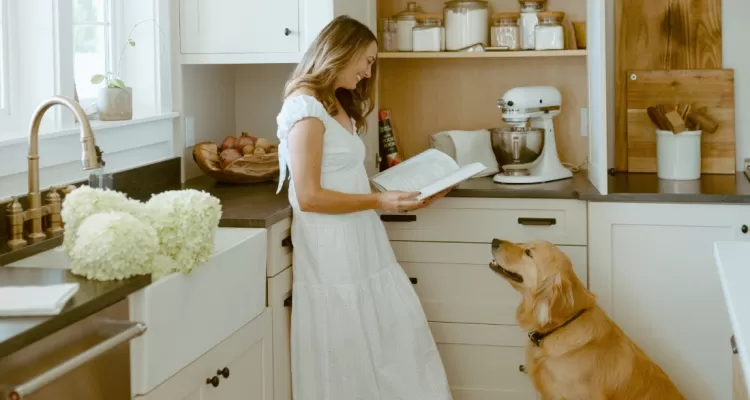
(306, 149)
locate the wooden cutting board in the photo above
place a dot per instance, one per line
(661, 35)
(711, 88)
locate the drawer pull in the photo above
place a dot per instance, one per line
(213, 381)
(413, 281)
(734, 345)
(23, 390)
(537, 221)
(522, 368)
(398, 217)
(288, 301)
(223, 372)
(287, 242)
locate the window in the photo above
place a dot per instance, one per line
(92, 44)
(4, 57)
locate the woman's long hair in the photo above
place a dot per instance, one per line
(338, 44)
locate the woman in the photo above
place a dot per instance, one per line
(358, 329)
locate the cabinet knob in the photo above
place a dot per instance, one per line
(287, 32)
(223, 372)
(213, 381)
(522, 368)
(744, 229)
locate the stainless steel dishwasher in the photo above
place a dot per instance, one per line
(89, 360)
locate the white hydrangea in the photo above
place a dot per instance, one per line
(113, 245)
(85, 201)
(185, 221)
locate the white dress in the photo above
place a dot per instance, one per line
(358, 328)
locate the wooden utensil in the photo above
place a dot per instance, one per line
(712, 89)
(675, 121)
(703, 121)
(660, 35)
(658, 118)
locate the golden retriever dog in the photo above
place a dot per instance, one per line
(575, 352)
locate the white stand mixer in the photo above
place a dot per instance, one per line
(533, 107)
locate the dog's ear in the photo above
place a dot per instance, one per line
(553, 297)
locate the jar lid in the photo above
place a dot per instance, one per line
(411, 11)
(555, 15)
(466, 4)
(429, 17)
(506, 15)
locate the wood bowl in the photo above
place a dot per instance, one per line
(246, 169)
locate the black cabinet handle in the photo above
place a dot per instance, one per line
(413, 281)
(398, 217)
(733, 343)
(522, 368)
(744, 229)
(537, 221)
(213, 381)
(287, 32)
(223, 372)
(287, 242)
(288, 301)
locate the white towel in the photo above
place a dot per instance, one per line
(26, 301)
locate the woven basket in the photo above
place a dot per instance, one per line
(246, 169)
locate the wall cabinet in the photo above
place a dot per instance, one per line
(257, 31)
(653, 270)
(445, 250)
(240, 367)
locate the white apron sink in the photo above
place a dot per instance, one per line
(188, 314)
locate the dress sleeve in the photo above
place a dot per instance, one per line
(293, 110)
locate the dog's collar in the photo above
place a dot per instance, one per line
(536, 337)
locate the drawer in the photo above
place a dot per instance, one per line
(455, 283)
(279, 296)
(482, 361)
(480, 220)
(279, 247)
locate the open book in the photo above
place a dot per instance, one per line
(429, 173)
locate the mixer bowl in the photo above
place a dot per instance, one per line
(517, 148)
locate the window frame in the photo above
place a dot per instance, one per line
(5, 80)
(113, 15)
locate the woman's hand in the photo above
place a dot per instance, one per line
(398, 201)
(426, 202)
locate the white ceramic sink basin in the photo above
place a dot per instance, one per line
(188, 314)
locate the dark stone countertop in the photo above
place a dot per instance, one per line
(245, 206)
(648, 188)
(486, 188)
(92, 297)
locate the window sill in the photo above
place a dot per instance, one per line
(12, 139)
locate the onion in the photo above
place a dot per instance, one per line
(228, 143)
(243, 140)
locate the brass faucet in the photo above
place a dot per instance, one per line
(91, 159)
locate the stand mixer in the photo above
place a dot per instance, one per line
(526, 149)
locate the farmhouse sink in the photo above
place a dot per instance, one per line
(188, 314)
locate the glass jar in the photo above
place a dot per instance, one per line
(405, 22)
(388, 35)
(549, 34)
(466, 23)
(528, 22)
(429, 34)
(505, 33)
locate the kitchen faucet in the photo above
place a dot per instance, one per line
(91, 158)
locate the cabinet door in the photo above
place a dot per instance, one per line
(239, 26)
(653, 269)
(279, 296)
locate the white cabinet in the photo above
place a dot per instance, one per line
(258, 31)
(445, 250)
(232, 26)
(279, 272)
(653, 270)
(240, 367)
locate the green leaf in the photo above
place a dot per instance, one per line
(97, 79)
(131, 42)
(118, 83)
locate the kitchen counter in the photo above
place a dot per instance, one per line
(624, 187)
(92, 297)
(731, 260)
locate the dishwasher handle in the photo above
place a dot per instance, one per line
(25, 389)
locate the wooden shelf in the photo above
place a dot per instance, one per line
(486, 54)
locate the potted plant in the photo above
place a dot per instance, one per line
(114, 99)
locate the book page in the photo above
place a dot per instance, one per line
(417, 172)
(453, 179)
